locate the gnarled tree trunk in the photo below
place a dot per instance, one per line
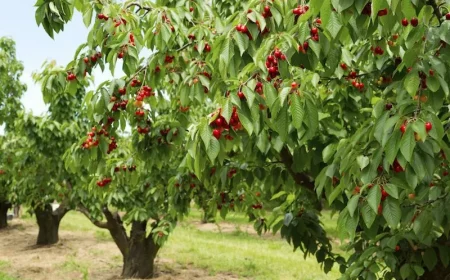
(48, 222)
(138, 251)
(4, 206)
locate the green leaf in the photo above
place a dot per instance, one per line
(353, 204)
(392, 212)
(408, 143)
(297, 111)
(282, 124)
(392, 146)
(368, 215)
(379, 127)
(312, 116)
(433, 83)
(423, 224)
(430, 259)
(335, 193)
(241, 41)
(412, 83)
(405, 271)
(363, 161)
(374, 198)
(213, 149)
(87, 16)
(408, 9)
(341, 5)
(392, 190)
(278, 195)
(328, 152)
(334, 24)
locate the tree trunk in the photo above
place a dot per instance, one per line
(207, 217)
(48, 222)
(138, 251)
(139, 262)
(4, 206)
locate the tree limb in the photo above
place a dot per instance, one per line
(436, 10)
(117, 231)
(301, 179)
(85, 211)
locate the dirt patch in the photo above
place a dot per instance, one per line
(225, 227)
(78, 255)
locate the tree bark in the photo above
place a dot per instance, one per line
(138, 251)
(4, 206)
(48, 222)
(139, 262)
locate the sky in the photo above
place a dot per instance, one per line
(34, 46)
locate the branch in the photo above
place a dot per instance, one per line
(437, 12)
(85, 211)
(117, 231)
(300, 178)
(140, 7)
(184, 47)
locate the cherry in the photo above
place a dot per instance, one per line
(384, 194)
(191, 9)
(217, 133)
(403, 128)
(411, 196)
(267, 9)
(447, 16)
(388, 106)
(397, 248)
(357, 190)
(414, 22)
(218, 122)
(344, 66)
(120, 55)
(314, 31)
(383, 12)
(258, 194)
(431, 72)
(86, 60)
(380, 209)
(318, 21)
(207, 48)
(241, 95)
(71, 77)
(445, 173)
(428, 126)
(294, 85)
(305, 46)
(405, 22)
(101, 16)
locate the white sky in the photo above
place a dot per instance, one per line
(34, 46)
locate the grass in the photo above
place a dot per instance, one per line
(236, 252)
(3, 275)
(73, 265)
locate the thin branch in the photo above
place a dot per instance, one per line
(436, 10)
(85, 211)
(184, 47)
(140, 7)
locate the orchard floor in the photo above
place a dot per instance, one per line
(225, 250)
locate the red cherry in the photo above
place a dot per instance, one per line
(405, 22)
(86, 60)
(267, 9)
(388, 106)
(344, 66)
(217, 133)
(191, 9)
(101, 16)
(305, 46)
(414, 22)
(447, 16)
(294, 85)
(120, 55)
(318, 21)
(314, 31)
(397, 248)
(403, 128)
(431, 72)
(428, 126)
(380, 209)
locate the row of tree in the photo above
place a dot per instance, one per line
(336, 102)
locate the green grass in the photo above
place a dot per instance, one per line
(72, 264)
(236, 252)
(241, 254)
(3, 275)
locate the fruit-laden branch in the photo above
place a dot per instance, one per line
(437, 12)
(301, 179)
(85, 211)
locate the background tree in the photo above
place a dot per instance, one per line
(11, 90)
(343, 100)
(48, 137)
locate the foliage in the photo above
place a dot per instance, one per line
(346, 100)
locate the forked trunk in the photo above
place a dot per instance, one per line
(4, 206)
(138, 251)
(48, 223)
(139, 262)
